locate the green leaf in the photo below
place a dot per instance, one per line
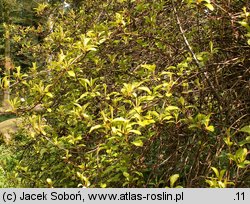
(139, 173)
(222, 172)
(149, 67)
(210, 128)
(49, 95)
(244, 24)
(212, 183)
(71, 73)
(154, 113)
(43, 132)
(145, 122)
(84, 82)
(241, 165)
(49, 181)
(211, 45)
(95, 128)
(119, 120)
(91, 48)
(227, 140)
(138, 143)
(146, 98)
(230, 156)
(171, 108)
(79, 175)
(246, 141)
(126, 174)
(210, 6)
(103, 185)
(182, 101)
(144, 88)
(137, 132)
(168, 117)
(241, 154)
(173, 179)
(246, 129)
(221, 184)
(246, 162)
(216, 172)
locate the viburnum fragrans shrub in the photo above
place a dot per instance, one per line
(130, 97)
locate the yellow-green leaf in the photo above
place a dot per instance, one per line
(171, 108)
(246, 129)
(173, 179)
(210, 7)
(49, 95)
(103, 185)
(216, 172)
(126, 174)
(246, 141)
(71, 73)
(150, 67)
(49, 181)
(144, 88)
(210, 128)
(120, 120)
(138, 143)
(135, 131)
(95, 128)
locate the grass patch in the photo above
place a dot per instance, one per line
(6, 117)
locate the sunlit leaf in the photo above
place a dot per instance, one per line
(216, 172)
(173, 179)
(246, 141)
(137, 132)
(210, 6)
(49, 181)
(95, 128)
(210, 128)
(246, 129)
(241, 154)
(71, 73)
(144, 88)
(126, 174)
(49, 94)
(138, 143)
(149, 67)
(120, 119)
(171, 108)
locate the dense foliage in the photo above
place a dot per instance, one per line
(134, 93)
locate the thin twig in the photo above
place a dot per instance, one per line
(199, 65)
